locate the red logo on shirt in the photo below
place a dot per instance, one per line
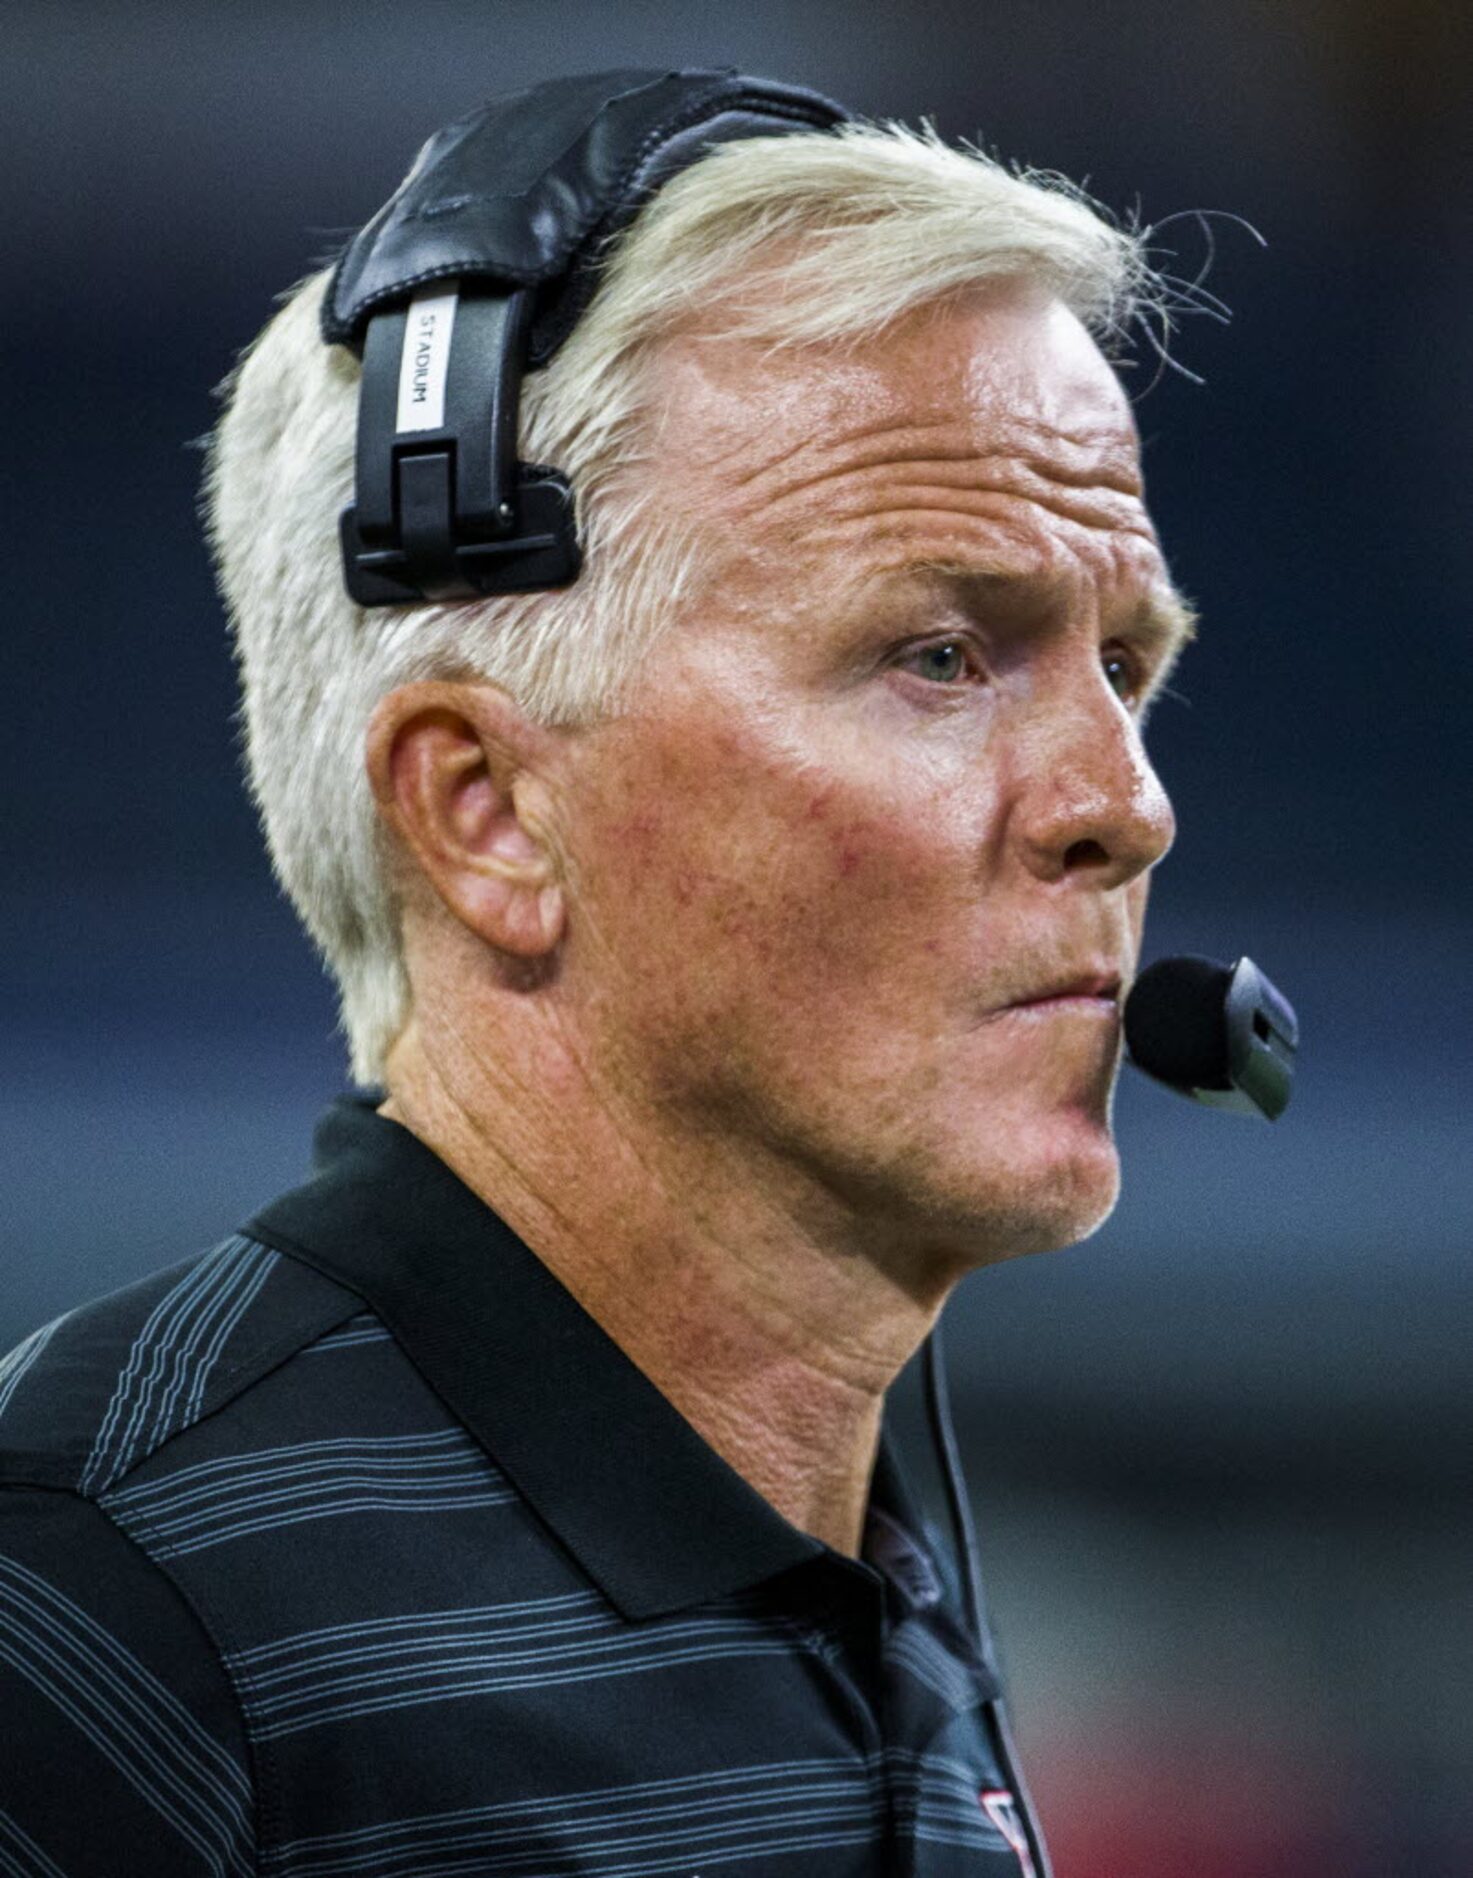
(1002, 1809)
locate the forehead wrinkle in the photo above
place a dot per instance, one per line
(896, 464)
(875, 451)
(1103, 455)
(1080, 458)
(866, 498)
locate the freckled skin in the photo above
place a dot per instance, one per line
(846, 880)
(757, 1105)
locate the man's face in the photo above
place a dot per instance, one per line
(887, 777)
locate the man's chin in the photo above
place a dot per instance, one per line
(949, 1193)
(1044, 1196)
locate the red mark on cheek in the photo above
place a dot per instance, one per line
(857, 842)
(637, 835)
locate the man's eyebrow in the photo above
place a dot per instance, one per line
(1165, 620)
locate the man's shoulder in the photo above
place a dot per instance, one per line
(126, 1726)
(225, 1461)
(90, 1396)
(245, 1420)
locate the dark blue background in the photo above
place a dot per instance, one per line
(1271, 1335)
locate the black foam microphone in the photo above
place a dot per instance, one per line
(1218, 1034)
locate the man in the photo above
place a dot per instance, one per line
(731, 946)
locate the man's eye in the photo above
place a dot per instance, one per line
(944, 663)
(1129, 686)
(948, 661)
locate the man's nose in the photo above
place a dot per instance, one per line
(1094, 806)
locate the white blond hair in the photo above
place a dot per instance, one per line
(886, 219)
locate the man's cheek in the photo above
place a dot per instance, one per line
(1136, 896)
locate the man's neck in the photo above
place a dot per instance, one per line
(777, 1350)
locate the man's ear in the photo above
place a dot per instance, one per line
(458, 773)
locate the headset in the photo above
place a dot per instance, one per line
(474, 273)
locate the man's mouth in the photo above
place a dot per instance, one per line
(1095, 986)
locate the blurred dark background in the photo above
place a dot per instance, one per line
(1219, 1453)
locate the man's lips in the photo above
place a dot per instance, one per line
(1063, 1007)
(1101, 986)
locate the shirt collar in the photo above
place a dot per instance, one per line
(650, 1511)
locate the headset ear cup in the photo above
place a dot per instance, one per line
(509, 207)
(444, 510)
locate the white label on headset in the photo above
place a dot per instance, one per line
(424, 360)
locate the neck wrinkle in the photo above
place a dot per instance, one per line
(777, 1352)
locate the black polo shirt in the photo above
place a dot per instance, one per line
(354, 1545)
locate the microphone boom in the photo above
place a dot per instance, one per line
(1221, 1035)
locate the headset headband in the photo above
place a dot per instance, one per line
(478, 268)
